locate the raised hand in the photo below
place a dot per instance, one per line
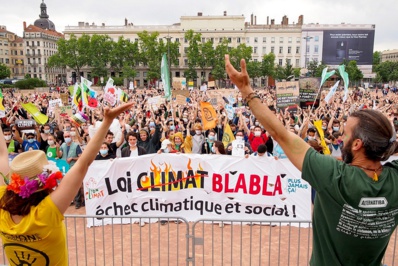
(240, 79)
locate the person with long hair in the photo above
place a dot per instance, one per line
(356, 207)
(218, 147)
(32, 206)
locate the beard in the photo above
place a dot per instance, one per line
(346, 152)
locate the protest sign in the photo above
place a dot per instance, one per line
(64, 98)
(65, 111)
(196, 187)
(181, 99)
(179, 83)
(287, 93)
(309, 88)
(211, 84)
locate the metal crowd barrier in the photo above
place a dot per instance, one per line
(174, 241)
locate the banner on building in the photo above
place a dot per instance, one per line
(196, 187)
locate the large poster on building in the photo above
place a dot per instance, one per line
(348, 44)
(196, 187)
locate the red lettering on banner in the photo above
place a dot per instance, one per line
(253, 185)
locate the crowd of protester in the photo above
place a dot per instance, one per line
(172, 128)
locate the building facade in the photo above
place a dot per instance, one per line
(389, 55)
(11, 52)
(283, 39)
(40, 42)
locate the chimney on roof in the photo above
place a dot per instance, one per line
(267, 20)
(272, 21)
(225, 13)
(125, 22)
(200, 14)
(251, 19)
(103, 24)
(300, 20)
(255, 20)
(24, 25)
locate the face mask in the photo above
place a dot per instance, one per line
(8, 137)
(103, 152)
(132, 144)
(239, 98)
(172, 128)
(257, 123)
(68, 140)
(152, 124)
(46, 131)
(31, 140)
(185, 120)
(166, 150)
(185, 114)
(73, 133)
(324, 128)
(257, 133)
(247, 120)
(211, 138)
(198, 132)
(50, 142)
(213, 150)
(67, 129)
(336, 128)
(311, 138)
(240, 138)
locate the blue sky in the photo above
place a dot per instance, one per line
(150, 12)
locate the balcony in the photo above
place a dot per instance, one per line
(31, 55)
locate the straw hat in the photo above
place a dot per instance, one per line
(29, 164)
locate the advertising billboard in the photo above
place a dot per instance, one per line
(348, 44)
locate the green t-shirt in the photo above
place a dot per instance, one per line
(51, 152)
(353, 216)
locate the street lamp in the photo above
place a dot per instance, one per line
(306, 38)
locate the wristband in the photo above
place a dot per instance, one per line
(253, 97)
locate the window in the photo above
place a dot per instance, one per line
(229, 39)
(289, 50)
(7, 61)
(185, 40)
(316, 38)
(238, 40)
(177, 40)
(280, 39)
(264, 50)
(144, 74)
(203, 40)
(289, 61)
(316, 48)
(315, 59)
(255, 50)
(281, 49)
(38, 43)
(27, 43)
(220, 40)
(185, 50)
(280, 62)
(308, 49)
(290, 39)
(298, 40)
(255, 60)
(212, 40)
(5, 52)
(273, 40)
(297, 62)
(297, 49)
(255, 39)
(185, 62)
(137, 75)
(264, 39)
(272, 49)
(247, 39)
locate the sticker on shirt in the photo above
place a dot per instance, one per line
(19, 254)
(366, 224)
(371, 203)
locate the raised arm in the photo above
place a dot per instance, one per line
(4, 168)
(71, 182)
(294, 147)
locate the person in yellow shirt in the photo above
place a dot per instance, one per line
(31, 204)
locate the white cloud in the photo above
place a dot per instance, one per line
(150, 12)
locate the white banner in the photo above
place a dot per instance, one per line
(196, 187)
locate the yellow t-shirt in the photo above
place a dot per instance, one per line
(39, 239)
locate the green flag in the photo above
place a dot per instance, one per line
(344, 76)
(165, 74)
(2, 109)
(326, 75)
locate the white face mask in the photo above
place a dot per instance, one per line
(257, 133)
(50, 142)
(239, 98)
(8, 137)
(257, 123)
(132, 144)
(311, 138)
(240, 138)
(336, 128)
(213, 150)
(72, 133)
(198, 132)
(166, 150)
(68, 140)
(46, 131)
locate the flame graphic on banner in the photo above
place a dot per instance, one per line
(157, 175)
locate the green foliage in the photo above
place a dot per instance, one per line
(28, 84)
(118, 81)
(268, 65)
(315, 68)
(286, 72)
(27, 76)
(5, 71)
(387, 71)
(353, 71)
(192, 53)
(238, 53)
(218, 65)
(254, 69)
(100, 54)
(376, 60)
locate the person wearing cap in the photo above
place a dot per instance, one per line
(355, 210)
(167, 147)
(32, 207)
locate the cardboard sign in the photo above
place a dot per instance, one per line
(25, 124)
(211, 84)
(181, 92)
(65, 98)
(63, 111)
(179, 83)
(309, 89)
(213, 101)
(181, 99)
(287, 93)
(54, 103)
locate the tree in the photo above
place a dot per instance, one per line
(254, 69)
(376, 60)
(192, 53)
(5, 71)
(315, 68)
(218, 67)
(206, 56)
(268, 65)
(353, 71)
(286, 72)
(386, 71)
(73, 53)
(124, 54)
(240, 52)
(100, 54)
